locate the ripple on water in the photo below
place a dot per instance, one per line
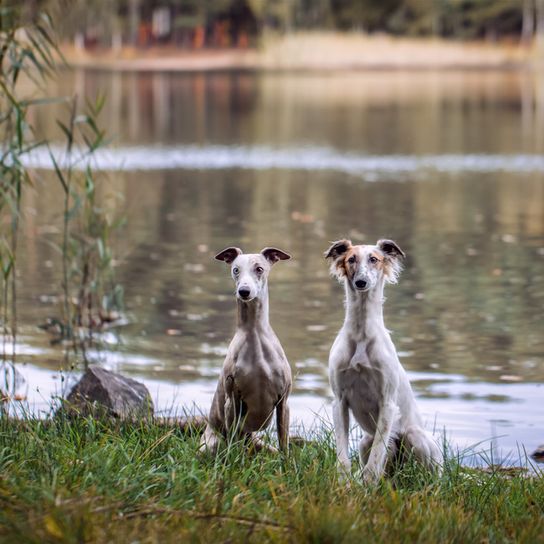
(216, 157)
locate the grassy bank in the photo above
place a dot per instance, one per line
(85, 482)
(315, 51)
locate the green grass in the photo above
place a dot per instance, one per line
(85, 481)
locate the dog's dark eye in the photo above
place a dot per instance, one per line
(259, 270)
(373, 259)
(235, 271)
(352, 259)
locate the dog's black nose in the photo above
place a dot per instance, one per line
(244, 292)
(360, 284)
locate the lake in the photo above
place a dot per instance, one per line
(448, 164)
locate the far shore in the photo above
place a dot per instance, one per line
(314, 52)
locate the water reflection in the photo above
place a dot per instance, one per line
(375, 112)
(467, 314)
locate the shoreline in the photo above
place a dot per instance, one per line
(309, 52)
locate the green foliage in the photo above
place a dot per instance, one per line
(28, 51)
(448, 18)
(91, 297)
(74, 481)
(25, 50)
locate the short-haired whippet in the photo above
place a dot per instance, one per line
(256, 377)
(364, 370)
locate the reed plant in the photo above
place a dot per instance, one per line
(90, 297)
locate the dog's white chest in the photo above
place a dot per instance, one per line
(360, 359)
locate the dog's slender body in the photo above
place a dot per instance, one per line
(364, 370)
(255, 379)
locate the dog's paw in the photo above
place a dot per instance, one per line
(371, 476)
(344, 473)
(344, 479)
(209, 443)
(256, 444)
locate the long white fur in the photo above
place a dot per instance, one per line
(365, 373)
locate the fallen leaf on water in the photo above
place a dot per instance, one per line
(47, 229)
(354, 233)
(510, 378)
(302, 217)
(316, 328)
(194, 267)
(195, 317)
(509, 239)
(48, 299)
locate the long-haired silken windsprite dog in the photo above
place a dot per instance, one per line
(256, 378)
(364, 370)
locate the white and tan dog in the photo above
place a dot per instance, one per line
(256, 377)
(364, 370)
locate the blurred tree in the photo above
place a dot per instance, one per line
(540, 24)
(221, 22)
(484, 18)
(528, 23)
(367, 15)
(313, 14)
(134, 20)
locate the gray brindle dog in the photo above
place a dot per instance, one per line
(255, 379)
(366, 376)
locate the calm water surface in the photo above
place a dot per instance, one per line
(449, 165)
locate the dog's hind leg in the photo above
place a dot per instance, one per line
(364, 448)
(282, 424)
(423, 446)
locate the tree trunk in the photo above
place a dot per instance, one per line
(134, 20)
(528, 23)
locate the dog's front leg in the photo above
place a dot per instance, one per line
(340, 416)
(282, 424)
(375, 467)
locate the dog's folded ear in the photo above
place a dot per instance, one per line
(390, 248)
(336, 253)
(228, 254)
(393, 254)
(273, 255)
(337, 249)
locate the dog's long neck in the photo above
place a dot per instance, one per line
(364, 311)
(254, 314)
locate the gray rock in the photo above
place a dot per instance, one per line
(104, 393)
(538, 454)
